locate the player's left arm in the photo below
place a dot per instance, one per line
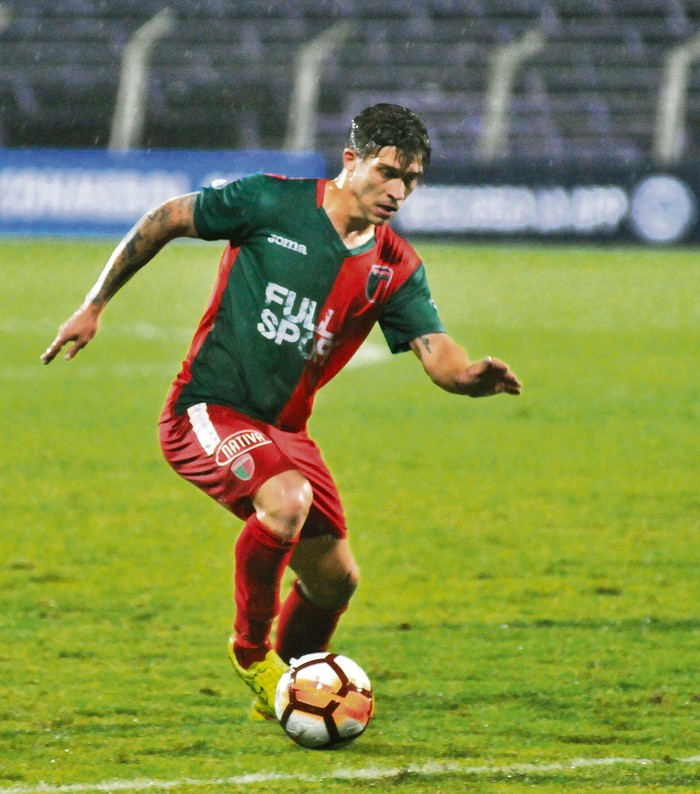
(448, 366)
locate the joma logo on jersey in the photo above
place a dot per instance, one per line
(291, 319)
(277, 239)
(237, 443)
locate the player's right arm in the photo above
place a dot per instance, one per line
(174, 218)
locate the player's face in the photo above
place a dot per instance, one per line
(380, 183)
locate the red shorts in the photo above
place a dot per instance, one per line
(229, 455)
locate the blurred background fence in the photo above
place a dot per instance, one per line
(558, 95)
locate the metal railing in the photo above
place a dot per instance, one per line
(132, 96)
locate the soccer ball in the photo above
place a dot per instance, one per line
(324, 700)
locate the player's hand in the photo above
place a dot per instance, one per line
(79, 329)
(488, 377)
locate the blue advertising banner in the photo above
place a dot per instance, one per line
(525, 200)
(95, 192)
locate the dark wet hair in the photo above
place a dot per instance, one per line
(390, 125)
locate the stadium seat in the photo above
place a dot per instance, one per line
(224, 74)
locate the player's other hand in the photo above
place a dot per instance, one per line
(79, 329)
(488, 377)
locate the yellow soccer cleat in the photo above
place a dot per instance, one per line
(262, 678)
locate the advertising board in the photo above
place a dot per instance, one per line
(95, 192)
(577, 203)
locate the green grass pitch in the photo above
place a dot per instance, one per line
(530, 565)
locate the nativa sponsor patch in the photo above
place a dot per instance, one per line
(236, 444)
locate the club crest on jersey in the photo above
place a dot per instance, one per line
(243, 467)
(234, 446)
(378, 280)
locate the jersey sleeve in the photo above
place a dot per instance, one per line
(410, 312)
(231, 212)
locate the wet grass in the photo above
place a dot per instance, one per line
(529, 592)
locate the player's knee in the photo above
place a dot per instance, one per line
(347, 584)
(283, 503)
(334, 592)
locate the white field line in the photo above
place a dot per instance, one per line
(370, 353)
(430, 769)
(137, 330)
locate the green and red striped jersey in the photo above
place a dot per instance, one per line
(291, 303)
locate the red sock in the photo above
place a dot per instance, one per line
(303, 627)
(261, 558)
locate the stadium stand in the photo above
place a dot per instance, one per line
(222, 78)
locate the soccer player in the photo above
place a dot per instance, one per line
(310, 266)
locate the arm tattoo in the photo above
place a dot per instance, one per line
(126, 261)
(426, 343)
(137, 248)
